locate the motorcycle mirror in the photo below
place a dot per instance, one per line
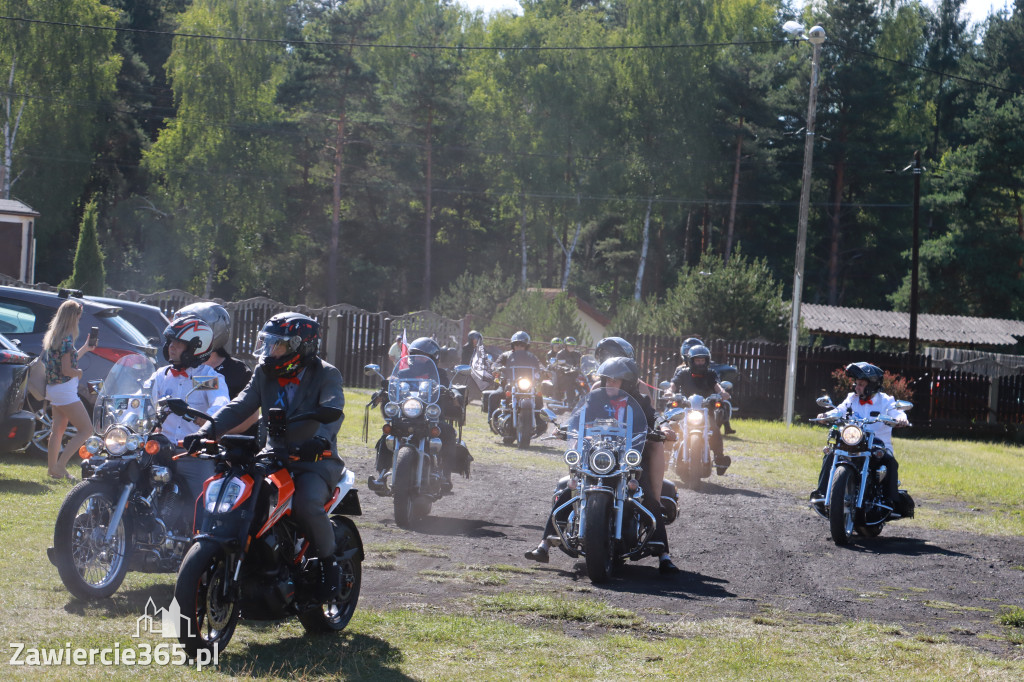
(551, 416)
(826, 402)
(371, 369)
(665, 385)
(205, 383)
(462, 369)
(727, 385)
(675, 415)
(95, 386)
(904, 405)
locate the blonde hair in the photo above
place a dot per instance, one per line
(64, 323)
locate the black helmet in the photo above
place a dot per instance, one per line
(870, 373)
(698, 351)
(612, 347)
(476, 336)
(214, 315)
(570, 340)
(520, 337)
(425, 345)
(300, 335)
(197, 337)
(687, 345)
(623, 369)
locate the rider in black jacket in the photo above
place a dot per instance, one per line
(518, 356)
(698, 378)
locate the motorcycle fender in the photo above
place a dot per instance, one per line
(836, 464)
(123, 470)
(354, 551)
(344, 496)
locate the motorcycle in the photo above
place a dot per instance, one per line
(604, 519)
(249, 559)
(521, 414)
(855, 500)
(411, 440)
(689, 417)
(566, 388)
(135, 506)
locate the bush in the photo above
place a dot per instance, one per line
(88, 273)
(895, 385)
(541, 319)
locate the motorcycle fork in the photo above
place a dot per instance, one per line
(122, 503)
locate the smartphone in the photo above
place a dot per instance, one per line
(94, 335)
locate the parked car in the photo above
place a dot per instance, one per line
(148, 319)
(24, 317)
(16, 423)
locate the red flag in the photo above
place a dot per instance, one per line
(403, 362)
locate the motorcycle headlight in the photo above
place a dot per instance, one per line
(572, 458)
(133, 444)
(234, 490)
(524, 384)
(602, 461)
(116, 440)
(412, 408)
(851, 435)
(633, 458)
(93, 444)
(391, 410)
(695, 418)
(433, 412)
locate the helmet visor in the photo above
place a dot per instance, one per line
(273, 345)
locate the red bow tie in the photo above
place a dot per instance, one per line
(179, 372)
(865, 402)
(284, 381)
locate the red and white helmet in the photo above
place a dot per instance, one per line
(197, 337)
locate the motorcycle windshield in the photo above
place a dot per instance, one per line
(124, 398)
(608, 413)
(523, 379)
(414, 376)
(588, 365)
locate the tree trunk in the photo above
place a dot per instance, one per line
(572, 247)
(638, 289)
(835, 234)
(428, 234)
(10, 136)
(686, 238)
(735, 194)
(332, 254)
(522, 240)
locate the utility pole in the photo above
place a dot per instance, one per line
(914, 255)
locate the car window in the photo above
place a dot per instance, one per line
(16, 318)
(127, 331)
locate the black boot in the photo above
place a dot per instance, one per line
(722, 463)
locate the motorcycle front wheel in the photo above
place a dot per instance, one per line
(206, 599)
(334, 615)
(843, 510)
(90, 566)
(524, 432)
(404, 487)
(598, 539)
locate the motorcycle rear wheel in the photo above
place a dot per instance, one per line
(842, 512)
(598, 539)
(334, 615)
(210, 616)
(404, 485)
(88, 566)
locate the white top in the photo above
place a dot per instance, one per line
(881, 403)
(164, 385)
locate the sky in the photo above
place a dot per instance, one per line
(978, 9)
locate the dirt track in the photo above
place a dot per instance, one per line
(743, 550)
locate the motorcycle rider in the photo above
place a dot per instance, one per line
(727, 411)
(187, 344)
(473, 340)
(698, 377)
(450, 409)
(290, 375)
(569, 353)
(622, 373)
(557, 346)
(865, 401)
(518, 356)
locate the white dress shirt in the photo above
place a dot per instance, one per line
(165, 385)
(881, 403)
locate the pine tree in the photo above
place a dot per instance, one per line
(88, 274)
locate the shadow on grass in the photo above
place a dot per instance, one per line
(900, 547)
(334, 655)
(123, 602)
(472, 528)
(19, 486)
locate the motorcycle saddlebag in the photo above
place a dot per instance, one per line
(905, 505)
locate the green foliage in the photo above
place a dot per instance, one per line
(88, 273)
(474, 295)
(738, 300)
(542, 319)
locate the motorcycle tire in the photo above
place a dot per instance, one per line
(334, 615)
(523, 433)
(598, 541)
(210, 611)
(842, 512)
(404, 485)
(89, 567)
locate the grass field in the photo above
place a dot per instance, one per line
(968, 486)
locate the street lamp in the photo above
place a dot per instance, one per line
(816, 36)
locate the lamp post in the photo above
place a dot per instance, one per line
(914, 257)
(816, 36)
